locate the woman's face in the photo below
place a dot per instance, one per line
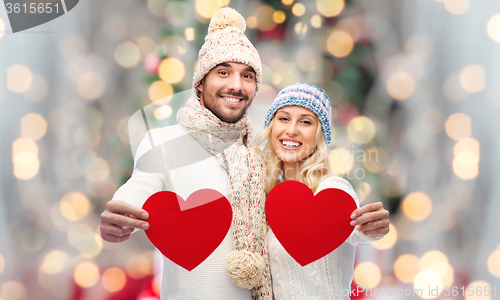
(293, 133)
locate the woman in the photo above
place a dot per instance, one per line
(297, 132)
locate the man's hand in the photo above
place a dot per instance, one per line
(372, 220)
(119, 220)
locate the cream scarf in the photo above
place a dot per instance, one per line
(248, 265)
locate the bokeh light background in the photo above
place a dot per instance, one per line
(415, 86)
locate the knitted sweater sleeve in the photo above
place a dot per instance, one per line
(335, 182)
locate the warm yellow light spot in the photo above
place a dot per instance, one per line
(24, 145)
(252, 22)
(86, 274)
(458, 126)
(493, 263)
(444, 270)
(264, 15)
(417, 206)
(473, 78)
(33, 126)
(330, 8)
(349, 26)
(426, 281)
(339, 43)
(189, 34)
(163, 112)
(91, 85)
(127, 54)
(279, 16)
(159, 89)
(456, 7)
(24, 158)
(464, 167)
(361, 130)
(298, 9)
(138, 266)
(341, 161)
(114, 279)
(74, 206)
(2, 263)
(432, 257)
(400, 85)
(300, 28)
(100, 172)
(477, 291)
(363, 190)
(453, 90)
(367, 274)
(375, 160)
(406, 267)
(171, 70)
(55, 262)
(28, 168)
(19, 78)
(388, 240)
(468, 151)
(13, 290)
(2, 28)
(206, 8)
(493, 28)
(316, 21)
(287, 2)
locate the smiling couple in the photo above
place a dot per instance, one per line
(296, 136)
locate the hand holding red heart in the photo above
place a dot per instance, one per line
(120, 219)
(371, 219)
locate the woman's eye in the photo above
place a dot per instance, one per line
(306, 122)
(283, 119)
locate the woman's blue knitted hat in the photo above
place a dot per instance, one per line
(308, 96)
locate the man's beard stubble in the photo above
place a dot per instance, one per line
(214, 106)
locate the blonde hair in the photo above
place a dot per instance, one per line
(314, 168)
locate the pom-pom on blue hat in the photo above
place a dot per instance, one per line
(308, 96)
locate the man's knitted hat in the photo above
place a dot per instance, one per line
(226, 42)
(308, 96)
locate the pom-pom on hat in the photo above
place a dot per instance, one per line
(226, 42)
(308, 96)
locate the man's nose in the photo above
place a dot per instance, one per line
(235, 83)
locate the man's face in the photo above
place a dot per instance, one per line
(228, 90)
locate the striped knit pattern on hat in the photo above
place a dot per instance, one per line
(308, 96)
(226, 42)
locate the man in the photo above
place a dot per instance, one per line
(226, 80)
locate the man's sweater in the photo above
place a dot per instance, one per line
(169, 159)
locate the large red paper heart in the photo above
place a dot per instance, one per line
(307, 226)
(187, 232)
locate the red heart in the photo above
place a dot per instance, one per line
(307, 226)
(187, 232)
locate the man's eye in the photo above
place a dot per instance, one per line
(248, 76)
(223, 72)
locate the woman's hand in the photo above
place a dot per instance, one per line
(371, 219)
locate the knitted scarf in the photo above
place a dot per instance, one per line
(248, 266)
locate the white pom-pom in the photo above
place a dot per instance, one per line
(226, 17)
(245, 268)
